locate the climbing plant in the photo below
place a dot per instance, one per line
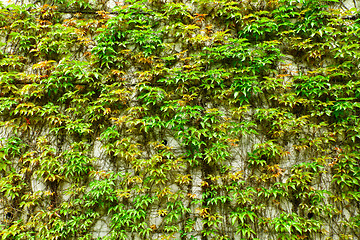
(179, 120)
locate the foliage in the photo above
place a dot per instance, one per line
(163, 119)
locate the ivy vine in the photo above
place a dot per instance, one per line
(179, 120)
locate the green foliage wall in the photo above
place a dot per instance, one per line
(215, 120)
